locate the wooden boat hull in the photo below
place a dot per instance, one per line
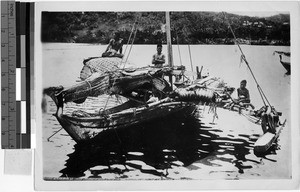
(264, 142)
(87, 128)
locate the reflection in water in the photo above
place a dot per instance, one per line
(156, 147)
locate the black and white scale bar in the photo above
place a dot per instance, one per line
(16, 57)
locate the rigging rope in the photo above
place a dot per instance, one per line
(250, 118)
(107, 102)
(243, 57)
(125, 52)
(133, 27)
(130, 46)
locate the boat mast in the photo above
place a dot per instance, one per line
(169, 43)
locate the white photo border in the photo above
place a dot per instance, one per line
(250, 6)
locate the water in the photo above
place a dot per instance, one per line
(173, 147)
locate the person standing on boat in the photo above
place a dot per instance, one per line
(115, 47)
(158, 58)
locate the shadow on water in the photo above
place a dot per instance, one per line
(272, 151)
(156, 147)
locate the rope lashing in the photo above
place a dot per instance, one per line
(89, 85)
(106, 102)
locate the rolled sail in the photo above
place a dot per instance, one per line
(199, 94)
(95, 75)
(95, 85)
(103, 76)
(203, 90)
(99, 65)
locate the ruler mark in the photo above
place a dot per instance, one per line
(4, 121)
(4, 94)
(4, 50)
(4, 7)
(4, 33)
(12, 60)
(4, 22)
(4, 79)
(11, 9)
(4, 108)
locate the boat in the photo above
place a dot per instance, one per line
(284, 58)
(84, 127)
(138, 86)
(149, 96)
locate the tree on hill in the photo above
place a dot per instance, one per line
(186, 27)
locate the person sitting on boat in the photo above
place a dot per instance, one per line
(114, 48)
(243, 93)
(158, 58)
(243, 99)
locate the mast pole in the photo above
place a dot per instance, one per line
(169, 43)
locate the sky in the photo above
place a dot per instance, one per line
(259, 14)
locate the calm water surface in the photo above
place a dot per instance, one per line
(173, 147)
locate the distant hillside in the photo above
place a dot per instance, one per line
(280, 18)
(186, 27)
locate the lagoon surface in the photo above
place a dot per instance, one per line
(180, 148)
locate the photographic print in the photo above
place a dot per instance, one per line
(165, 95)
